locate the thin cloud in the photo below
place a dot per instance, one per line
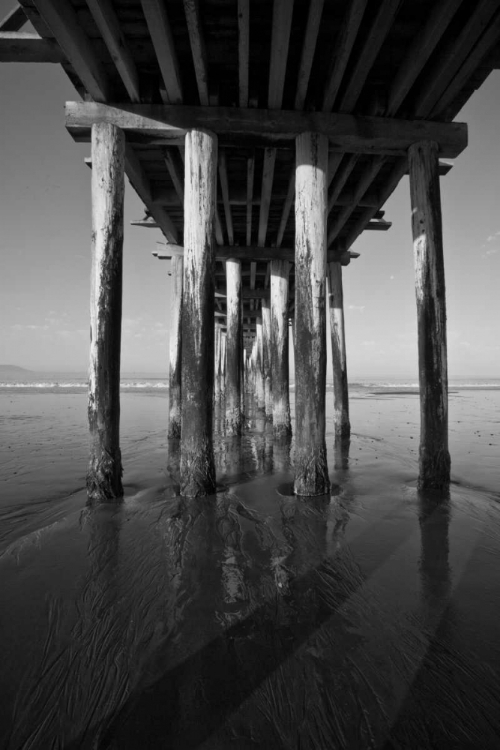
(356, 308)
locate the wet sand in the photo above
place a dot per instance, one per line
(252, 619)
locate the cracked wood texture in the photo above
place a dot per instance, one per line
(175, 349)
(434, 458)
(234, 348)
(280, 270)
(197, 468)
(339, 364)
(104, 477)
(311, 470)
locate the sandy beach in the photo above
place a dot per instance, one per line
(255, 619)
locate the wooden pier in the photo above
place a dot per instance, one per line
(263, 138)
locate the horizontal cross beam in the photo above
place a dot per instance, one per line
(254, 254)
(169, 124)
(24, 47)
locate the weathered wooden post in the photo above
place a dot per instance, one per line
(217, 364)
(431, 315)
(234, 348)
(174, 386)
(311, 469)
(197, 467)
(266, 359)
(340, 388)
(280, 270)
(104, 475)
(259, 379)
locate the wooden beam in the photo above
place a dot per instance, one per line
(280, 39)
(287, 206)
(108, 24)
(176, 175)
(225, 195)
(341, 51)
(420, 51)
(366, 57)
(341, 177)
(61, 18)
(14, 20)
(170, 123)
(445, 69)
(308, 50)
(243, 50)
(362, 186)
(250, 254)
(198, 49)
(155, 13)
(249, 197)
(266, 193)
(24, 47)
(175, 350)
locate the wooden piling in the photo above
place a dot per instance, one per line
(104, 482)
(197, 468)
(259, 379)
(234, 348)
(266, 359)
(280, 271)
(311, 469)
(174, 387)
(434, 457)
(339, 365)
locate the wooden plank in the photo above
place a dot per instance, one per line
(364, 62)
(342, 175)
(14, 20)
(420, 51)
(63, 22)
(107, 22)
(342, 50)
(434, 458)
(24, 47)
(266, 193)
(379, 226)
(311, 468)
(104, 474)
(280, 39)
(249, 199)
(362, 186)
(445, 69)
(198, 49)
(287, 206)
(225, 195)
(243, 50)
(175, 173)
(175, 350)
(197, 469)
(308, 50)
(170, 123)
(155, 13)
(250, 254)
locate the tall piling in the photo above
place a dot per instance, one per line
(175, 350)
(342, 425)
(234, 348)
(434, 458)
(266, 359)
(311, 469)
(280, 272)
(104, 475)
(197, 467)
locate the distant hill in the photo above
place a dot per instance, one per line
(12, 369)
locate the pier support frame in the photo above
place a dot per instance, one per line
(197, 467)
(311, 180)
(434, 458)
(266, 359)
(259, 377)
(104, 483)
(174, 386)
(280, 271)
(234, 348)
(339, 365)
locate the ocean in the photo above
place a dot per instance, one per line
(250, 619)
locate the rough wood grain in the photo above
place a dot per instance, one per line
(197, 468)
(234, 352)
(175, 350)
(280, 271)
(104, 482)
(311, 469)
(155, 13)
(266, 359)
(339, 364)
(434, 458)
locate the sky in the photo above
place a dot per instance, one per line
(45, 225)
